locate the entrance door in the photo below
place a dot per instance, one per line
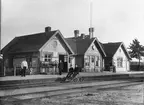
(63, 58)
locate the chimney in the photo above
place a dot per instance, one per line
(82, 36)
(76, 33)
(91, 31)
(47, 29)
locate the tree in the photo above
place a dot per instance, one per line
(136, 50)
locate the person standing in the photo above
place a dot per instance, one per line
(61, 65)
(24, 66)
(114, 68)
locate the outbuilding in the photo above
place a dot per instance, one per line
(117, 55)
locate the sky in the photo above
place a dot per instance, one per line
(113, 20)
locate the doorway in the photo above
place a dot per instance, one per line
(64, 59)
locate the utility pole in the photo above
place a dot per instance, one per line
(1, 56)
(0, 24)
(1, 64)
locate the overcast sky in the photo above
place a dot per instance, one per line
(113, 20)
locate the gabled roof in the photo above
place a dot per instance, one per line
(111, 48)
(30, 43)
(80, 45)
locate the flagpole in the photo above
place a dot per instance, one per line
(91, 11)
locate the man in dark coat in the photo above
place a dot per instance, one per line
(61, 65)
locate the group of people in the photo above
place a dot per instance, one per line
(73, 72)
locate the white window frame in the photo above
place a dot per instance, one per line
(97, 60)
(87, 61)
(48, 57)
(120, 62)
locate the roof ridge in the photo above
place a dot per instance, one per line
(112, 42)
(34, 34)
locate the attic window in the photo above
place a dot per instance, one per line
(54, 44)
(119, 50)
(93, 47)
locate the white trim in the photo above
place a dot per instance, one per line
(96, 46)
(89, 46)
(53, 37)
(47, 42)
(126, 50)
(65, 41)
(123, 49)
(101, 47)
(116, 50)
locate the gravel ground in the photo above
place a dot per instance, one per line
(132, 95)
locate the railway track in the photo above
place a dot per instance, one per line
(71, 90)
(40, 83)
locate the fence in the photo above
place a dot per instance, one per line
(135, 68)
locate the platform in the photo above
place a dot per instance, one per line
(83, 74)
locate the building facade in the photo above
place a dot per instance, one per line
(117, 55)
(42, 51)
(89, 54)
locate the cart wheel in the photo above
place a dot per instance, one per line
(75, 80)
(80, 79)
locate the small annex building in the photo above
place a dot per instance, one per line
(117, 55)
(42, 51)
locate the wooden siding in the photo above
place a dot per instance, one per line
(93, 52)
(125, 65)
(51, 48)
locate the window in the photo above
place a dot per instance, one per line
(119, 50)
(93, 47)
(70, 59)
(48, 57)
(55, 44)
(65, 58)
(92, 59)
(87, 60)
(120, 62)
(97, 60)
